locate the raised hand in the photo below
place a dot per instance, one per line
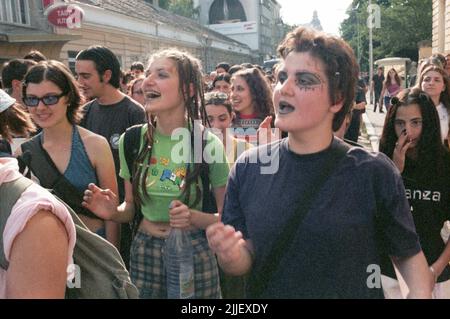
(102, 202)
(265, 134)
(226, 242)
(399, 154)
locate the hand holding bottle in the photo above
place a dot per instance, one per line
(179, 214)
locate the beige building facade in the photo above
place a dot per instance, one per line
(441, 26)
(132, 29)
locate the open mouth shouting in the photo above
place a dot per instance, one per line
(285, 108)
(151, 95)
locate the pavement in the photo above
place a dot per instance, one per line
(372, 128)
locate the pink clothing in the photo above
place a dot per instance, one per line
(34, 199)
(393, 89)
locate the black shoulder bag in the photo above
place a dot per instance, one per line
(36, 158)
(282, 244)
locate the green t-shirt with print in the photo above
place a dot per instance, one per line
(167, 171)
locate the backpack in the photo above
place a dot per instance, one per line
(132, 143)
(102, 273)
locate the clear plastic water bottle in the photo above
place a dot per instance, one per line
(179, 260)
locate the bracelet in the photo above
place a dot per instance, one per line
(434, 273)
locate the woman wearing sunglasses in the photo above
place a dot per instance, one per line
(54, 101)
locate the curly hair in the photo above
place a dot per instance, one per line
(341, 68)
(260, 90)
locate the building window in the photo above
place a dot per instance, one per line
(226, 11)
(15, 11)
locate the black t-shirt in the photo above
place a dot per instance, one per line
(429, 197)
(5, 147)
(110, 121)
(337, 243)
(360, 92)
(378, 82)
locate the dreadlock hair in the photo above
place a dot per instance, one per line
(190, 76)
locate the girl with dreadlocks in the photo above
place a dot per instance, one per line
(174, 103)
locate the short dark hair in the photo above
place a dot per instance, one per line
(35, 55)
(60, 75)
(234, 69)
(137, 66)
(222, 77)
(15, 70)
(247, 65)
(126, 77)
(438, 59)
(223, 65)
(341, 68)
(104, 59)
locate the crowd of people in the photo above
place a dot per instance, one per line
(308, 223)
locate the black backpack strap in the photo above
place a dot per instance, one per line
(41, 164)
(131, 145)
(209, 204)
(37, 160)
(10, 192)
(284, 241)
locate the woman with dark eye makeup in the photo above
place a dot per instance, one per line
(316, 221)
(411, 138)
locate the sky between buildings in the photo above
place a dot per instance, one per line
(331, 12)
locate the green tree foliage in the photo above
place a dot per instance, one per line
(404, 23)
(181, 7)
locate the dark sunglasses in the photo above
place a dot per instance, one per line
(33, 101)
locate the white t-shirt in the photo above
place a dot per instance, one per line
(443, 118)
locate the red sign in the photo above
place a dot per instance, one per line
(65, 16)
(47, 3)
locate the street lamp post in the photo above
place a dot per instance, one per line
(370, 46)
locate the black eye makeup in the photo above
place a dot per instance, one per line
(307, 79)
(282, 76)
(304, 80)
